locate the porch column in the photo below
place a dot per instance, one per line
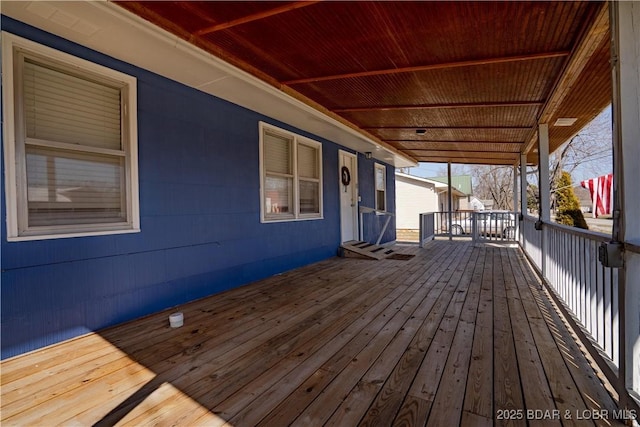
(544, 214)
(515, 188)
(523, 198)
(523, 184)
(450, 201)
(543, 171)
(515, 200)
(625, 32)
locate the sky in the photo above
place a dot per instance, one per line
(589, 166)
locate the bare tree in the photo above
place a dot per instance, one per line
(587, 154)
(456, 169)
(494, 183)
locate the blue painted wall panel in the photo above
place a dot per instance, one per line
(200, 219)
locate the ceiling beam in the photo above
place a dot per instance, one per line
(463, 153)
(443, 66)
(440, 106)
(593, 34)
(255, 17)
(447, 127)
(441, 159)
(431, 141)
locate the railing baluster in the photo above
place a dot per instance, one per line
(608, 313)
(601, 305)
(615, 335)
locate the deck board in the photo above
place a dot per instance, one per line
(450, 337)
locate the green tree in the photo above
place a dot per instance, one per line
(532, 197)
(568, 206)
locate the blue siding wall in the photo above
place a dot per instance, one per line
(200, 220)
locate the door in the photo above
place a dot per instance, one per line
(348, 183)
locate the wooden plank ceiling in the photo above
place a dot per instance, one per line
(465, 82)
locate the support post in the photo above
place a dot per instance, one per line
(543, 170)
(625, 60)
(450, 201)
(544, 214)
(515, 188)
(515, 202)
(523, 183)
(523, 200)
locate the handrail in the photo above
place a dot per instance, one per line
(600, 237)
(632, 247)
(365, 209)
(572, 230)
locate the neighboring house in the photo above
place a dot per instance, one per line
(461, 190)
(584, 197)
(416, 195)
(487, 203)
(157, 192)
(476, 204)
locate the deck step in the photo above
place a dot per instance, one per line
(358, 249)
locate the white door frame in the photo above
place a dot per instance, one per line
(354, 195)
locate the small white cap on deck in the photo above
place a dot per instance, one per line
(176, 320)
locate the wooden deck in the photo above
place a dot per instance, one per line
(456, 335)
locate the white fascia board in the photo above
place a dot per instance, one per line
(114, 31)
(438, 184)
(415, 178)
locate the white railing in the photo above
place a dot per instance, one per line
(482, 226)
(495, 227)
(434, 224)
(531, 241)
(427, 227)
(588, 288)
(585, 290)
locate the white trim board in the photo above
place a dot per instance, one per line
(111, 30)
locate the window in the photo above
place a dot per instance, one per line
(291, 174)
(381, 187)
(70, 144)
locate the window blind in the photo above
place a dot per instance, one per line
(380, 179)
(65, 108)
(308, 161)
(277, 154)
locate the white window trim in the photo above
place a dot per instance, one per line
(375, 185)
(297, 139)
(15, 166)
